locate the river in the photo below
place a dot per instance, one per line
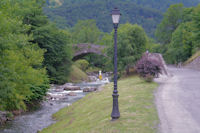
(34, 121)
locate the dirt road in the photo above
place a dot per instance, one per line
(178, 102)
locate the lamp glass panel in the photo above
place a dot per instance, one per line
(115, 19)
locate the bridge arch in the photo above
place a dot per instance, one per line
(83, 49)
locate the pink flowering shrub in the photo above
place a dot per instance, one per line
(148, 68)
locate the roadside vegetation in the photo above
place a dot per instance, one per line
(35, 53)
(178, 33)
(92, 113)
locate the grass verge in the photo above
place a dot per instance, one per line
(92, 113)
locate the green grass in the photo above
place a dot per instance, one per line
(77, 75)
(197, 54)
(92, 113)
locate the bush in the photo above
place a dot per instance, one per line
(148, 68)
(82, 64)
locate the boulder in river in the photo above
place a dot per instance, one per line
(65, 85)
(88, 89)
(71, 94)
(92, 78)
(58, 90)
(56, 96)
(72, 88)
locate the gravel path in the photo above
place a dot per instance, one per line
(178, 102)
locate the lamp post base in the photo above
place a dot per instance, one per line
(115, 111)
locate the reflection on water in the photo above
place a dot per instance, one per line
(32, 122)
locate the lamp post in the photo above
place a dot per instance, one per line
(115, 110)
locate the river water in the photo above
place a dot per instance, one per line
(34, 121)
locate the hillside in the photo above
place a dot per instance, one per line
(147, 13)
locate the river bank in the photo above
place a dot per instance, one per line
(57, 98)
(92, 113)
(76, 76)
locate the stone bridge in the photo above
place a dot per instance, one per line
(83, 49)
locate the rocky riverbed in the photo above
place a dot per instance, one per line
(57, 98)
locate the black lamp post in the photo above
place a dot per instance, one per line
(115, 111)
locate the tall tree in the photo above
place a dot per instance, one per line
(47, 36)
(172, 18)
(180, 48)
(132, 41)
(58, 53)
(23, 79)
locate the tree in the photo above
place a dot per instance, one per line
(132, 42)
(21, 73)
(154, 47)
(47, 36)
(172, 18)
(180, 48)
(147, 13)
(106, 40)
(85, 31)
(58, 53)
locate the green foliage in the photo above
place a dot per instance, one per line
(85, 31)
(131, 43)
(107, 40)
(196, 29)
(100, 11)
(180, 47)
(154, 47)
(147, 13)
(58, 54)
(99, 61)
(56, 42)
(21, 61)
(82, 64)
(77, 75)
(182, 40)
(172, 18)
(38, 92)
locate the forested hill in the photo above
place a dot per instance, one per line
(147, 13)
